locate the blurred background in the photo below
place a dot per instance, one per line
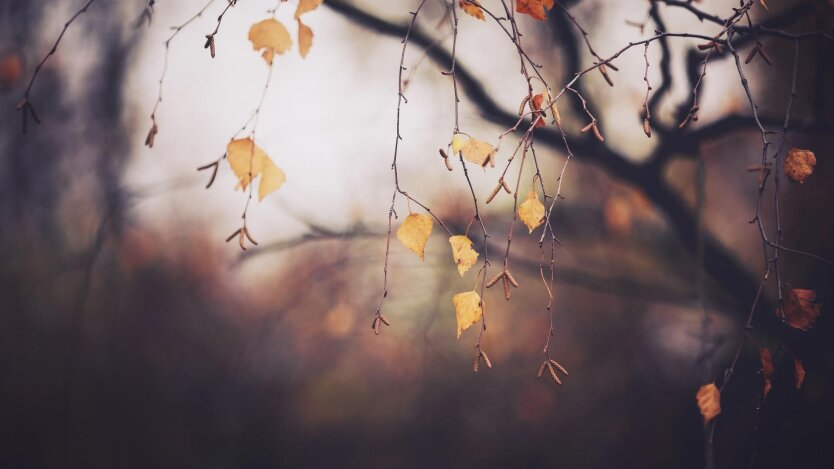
(132, 335)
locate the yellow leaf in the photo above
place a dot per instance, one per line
(477, 152)
(473, 8)
(468, 309)
(415, 231)
(305, 38)
(531, 211)
(709, 401)
(473, 150)
(270, 36)
(306, 5)
(272, 177)
(463, 254)
(458, 140)
(249, 161)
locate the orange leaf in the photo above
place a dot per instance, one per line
(535, 8)
(270, 36)
(536, 104)
(473, 8)
(799, 164)
(709, 401)
(11, 70)
(799, 371)
(305, 38)
(306, 5)
(767, 368)
(801, 312)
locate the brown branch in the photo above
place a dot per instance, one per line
(720, 262)
(25, 105)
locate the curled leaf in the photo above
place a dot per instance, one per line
(249, 161)
(536, 8)
(531, 211)
(767, 369)
(463, 254)
(305, 38)
(536, 105)
(552, 106)
(415, 231)
(472, 8)
(306, 5)
(801, 312)
(709, 401)
(799, 372)
(468, 309)
(799, 164)
(270, 36)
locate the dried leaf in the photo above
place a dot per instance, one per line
(306, 5)
(458, 140)
(552, 106)
(531, 211)
(800, 310)
(473, 8)
(468, 309)
(535, 8)
(305, 38)
(473, 150)
(709, 401)
(799, 371)
(270, 36)
(415, 231)
(799, 164)
(11, 70)
(617, 214)
(463, 254)
(767, 368)
(249, 161)
(536, 104)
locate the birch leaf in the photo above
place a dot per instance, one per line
(472, 8)
(535, 8)
(709, 401)
(477, 151)
(767, 369)
(415, 231)
(458, 140)
(473, 150)
(463, 254)
(306, 5)
(468, 309)
(531, 211)
(801, 310)
(305, 38)
(270, 36)
(799, 371)
(249, 161)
